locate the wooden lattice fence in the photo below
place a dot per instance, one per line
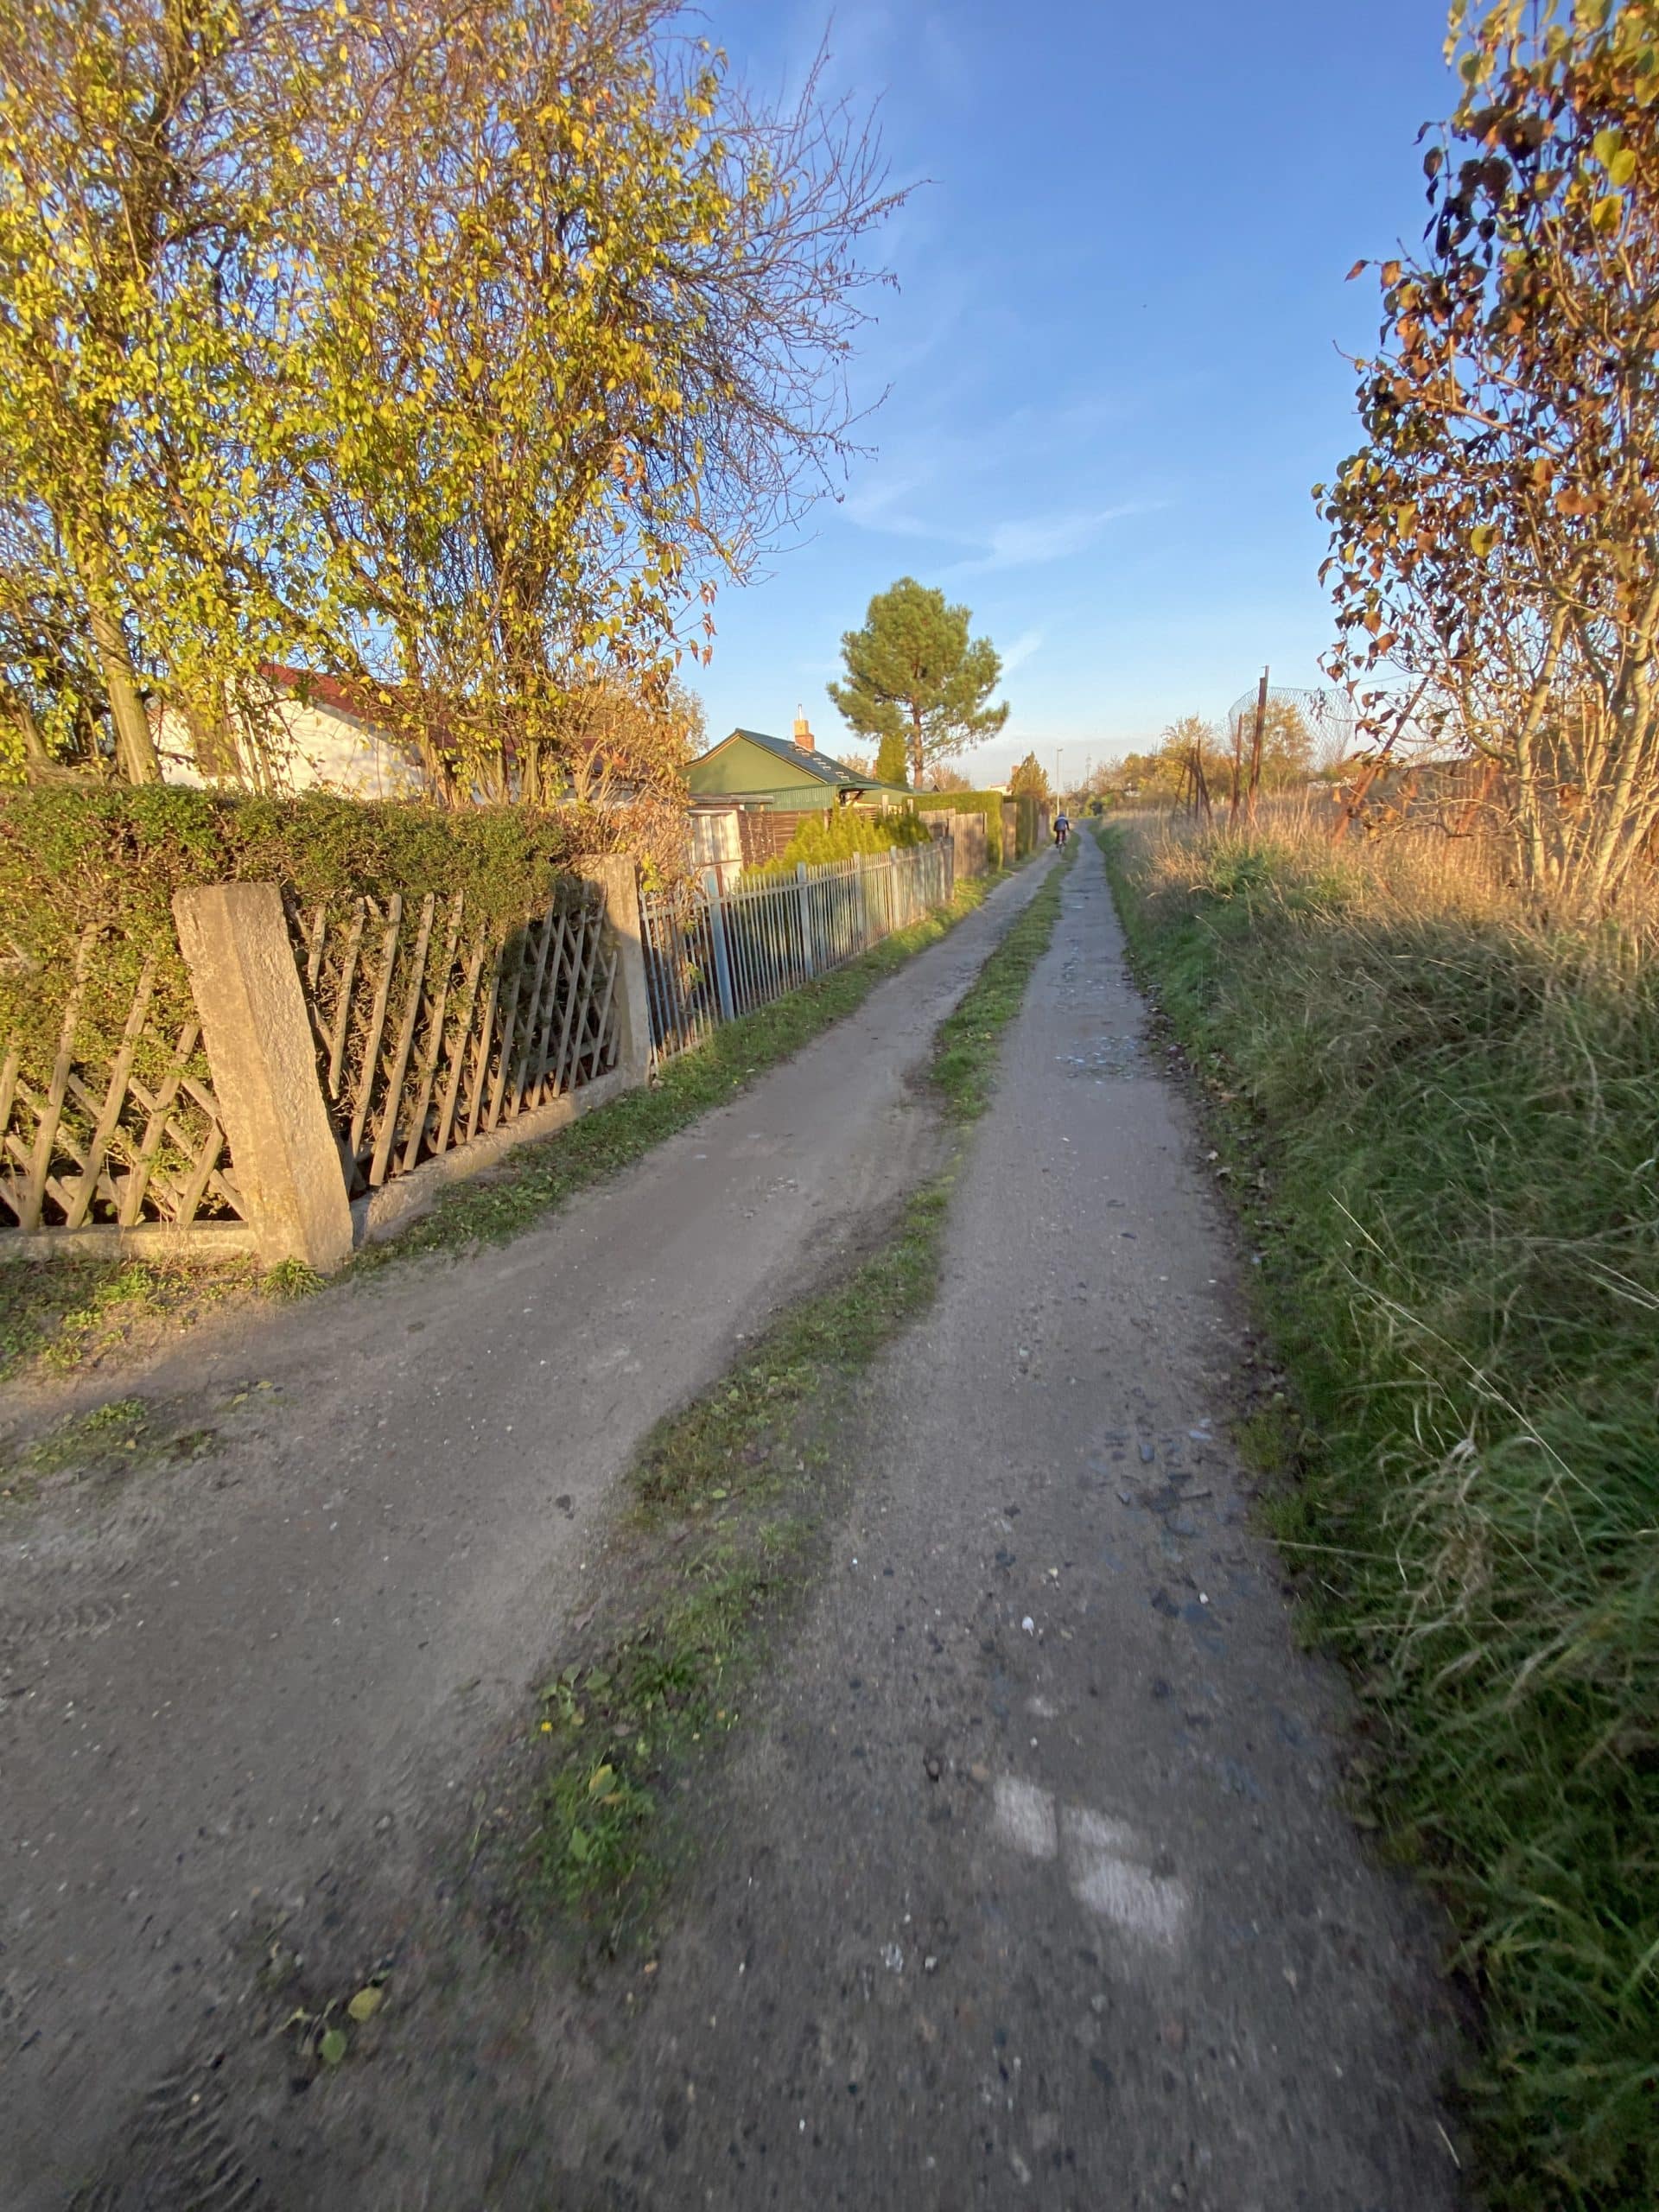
(114, 1138)
(432, 1029)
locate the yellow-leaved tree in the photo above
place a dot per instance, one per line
(146, 148)
(458, 350)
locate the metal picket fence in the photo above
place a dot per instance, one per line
(712, 955)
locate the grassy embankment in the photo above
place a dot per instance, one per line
(1442, 1121)
(734, 1497)
(58, 1316)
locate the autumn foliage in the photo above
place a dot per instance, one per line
(1496, 537)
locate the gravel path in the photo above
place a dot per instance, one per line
(1035, 1889)
(226, 1683)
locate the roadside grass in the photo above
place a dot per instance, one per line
(99, 1448)
(1442, 1121)
(734, 1496)
(57, 1316)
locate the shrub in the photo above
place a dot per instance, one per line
(840, 835)
(989, 804)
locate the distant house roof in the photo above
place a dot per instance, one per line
(816, 766)
(338, 694)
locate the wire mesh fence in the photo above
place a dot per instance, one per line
(713, 954)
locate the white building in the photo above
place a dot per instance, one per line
(325, 740)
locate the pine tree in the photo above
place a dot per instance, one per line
(914, 674)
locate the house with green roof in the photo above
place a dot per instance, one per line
(748, 768)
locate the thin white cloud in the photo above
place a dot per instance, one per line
(1027, 643)
(1030, 541)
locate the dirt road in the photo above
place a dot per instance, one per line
(236, 1675)
(1035, 1889)
(1028, 1886)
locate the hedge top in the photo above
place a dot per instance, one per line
(111, 859)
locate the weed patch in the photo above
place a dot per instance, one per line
(108, 1436)
(59, 1317)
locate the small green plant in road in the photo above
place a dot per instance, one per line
(1443, 1124)
(734, 1495)
(119, 1427)
(59, 1317)
(107, 1436)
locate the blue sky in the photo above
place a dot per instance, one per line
(1115, 354)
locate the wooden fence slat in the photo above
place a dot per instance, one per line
(437, 1014)
(158, 1110)
(463, 1038)
(603, 1044)
(545, 1013)
(343, 1010)
(577, 956)
(191, 1191)
(386, 1134)
(509, 1027)
(371, 1067)
(590, 1031)
(52, 1111)
(314, 967)
(482, 1038)
(114, 1099)
(528, 1029)
(580, 987)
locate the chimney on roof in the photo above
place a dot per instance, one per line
(803, 732)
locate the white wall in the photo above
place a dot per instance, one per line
(322, 750)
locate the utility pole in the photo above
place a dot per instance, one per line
(1058, 750)
(1256, 745)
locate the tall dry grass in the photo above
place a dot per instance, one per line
(1455, 1110)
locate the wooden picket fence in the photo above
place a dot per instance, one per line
(432, 1031)
(137, 1141)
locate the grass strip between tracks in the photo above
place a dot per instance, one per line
(732, 1498)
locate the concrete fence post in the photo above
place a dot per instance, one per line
(617, 876)
(235, 943)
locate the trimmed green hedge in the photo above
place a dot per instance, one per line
(989, 804)
(838, 837)
(111, 859)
